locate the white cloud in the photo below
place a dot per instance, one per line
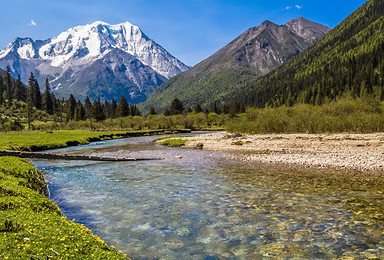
(33, 23)
(288, 7)
(298, 7)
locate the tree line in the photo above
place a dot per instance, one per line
(13, 90)
(177, 107)
(348, 61)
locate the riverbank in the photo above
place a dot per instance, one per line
(39, 141)
(32, 226)
(362, 152)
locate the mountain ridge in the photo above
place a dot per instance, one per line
(347, 61)
(74, 50)
(255, 52)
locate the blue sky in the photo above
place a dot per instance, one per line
(191, 30)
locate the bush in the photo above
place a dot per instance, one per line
(344, 115)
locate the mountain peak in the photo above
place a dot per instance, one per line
(307, 29)
(133, 59)
(268, 23)
(99, 23)
(255, 52)
(78, 45)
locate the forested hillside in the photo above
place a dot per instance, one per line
(349, 60)
(254, 53)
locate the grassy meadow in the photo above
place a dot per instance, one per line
(32, 226)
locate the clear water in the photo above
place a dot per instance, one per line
(195, 205)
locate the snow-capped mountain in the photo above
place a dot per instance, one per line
(119, 59)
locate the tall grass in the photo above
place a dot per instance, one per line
(194, 121)
(344, 115)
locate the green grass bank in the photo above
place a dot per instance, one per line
(37, 141)
(32, 226)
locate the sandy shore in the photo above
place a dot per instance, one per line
(363, 152)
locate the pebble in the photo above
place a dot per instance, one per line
(333, 151)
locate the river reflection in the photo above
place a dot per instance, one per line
(202, 207)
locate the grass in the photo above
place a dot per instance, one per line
(344, 115)
(49, 140)
(174, 142)
(32, 226)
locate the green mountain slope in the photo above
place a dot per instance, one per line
(348, 60)
(254, 53)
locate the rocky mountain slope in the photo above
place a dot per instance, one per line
(349, 60)
(120, 59)
(255, 52)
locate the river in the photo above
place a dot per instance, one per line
(195, 204)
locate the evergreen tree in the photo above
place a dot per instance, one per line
(225, 109)
(19, 91)
(34, 95)
(113, 108)
(47, 102)
(37, 95)
(97, 110)
(176, 107)
(106, 109)
(79, 111)
(8, 85)
(152, 111)
(1, 89)
(166, 112)
(134, 111)
(122, 109)
(198, 109)
(70, 106)
(87, 107)
(214, 108)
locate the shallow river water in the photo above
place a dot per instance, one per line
(196, 205)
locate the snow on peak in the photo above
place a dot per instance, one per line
(24, 47)
(83, 44)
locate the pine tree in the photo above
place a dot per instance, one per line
(152, 111)
(134, 111)
(19, 91)
(176, 107)
(87, 107)
(97, 110)
(198, 109)
(8, 85)
(1, 89)
(122, 109)
(70, 106)
(79, 111)
(47, 102)
(113, 108)
(215, 109)
(225, 109)
(166, 112)
(37, 95)
(106, 109)
(34, 95)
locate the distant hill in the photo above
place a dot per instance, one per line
(255, 52)
(93, 60)
(348, 60)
